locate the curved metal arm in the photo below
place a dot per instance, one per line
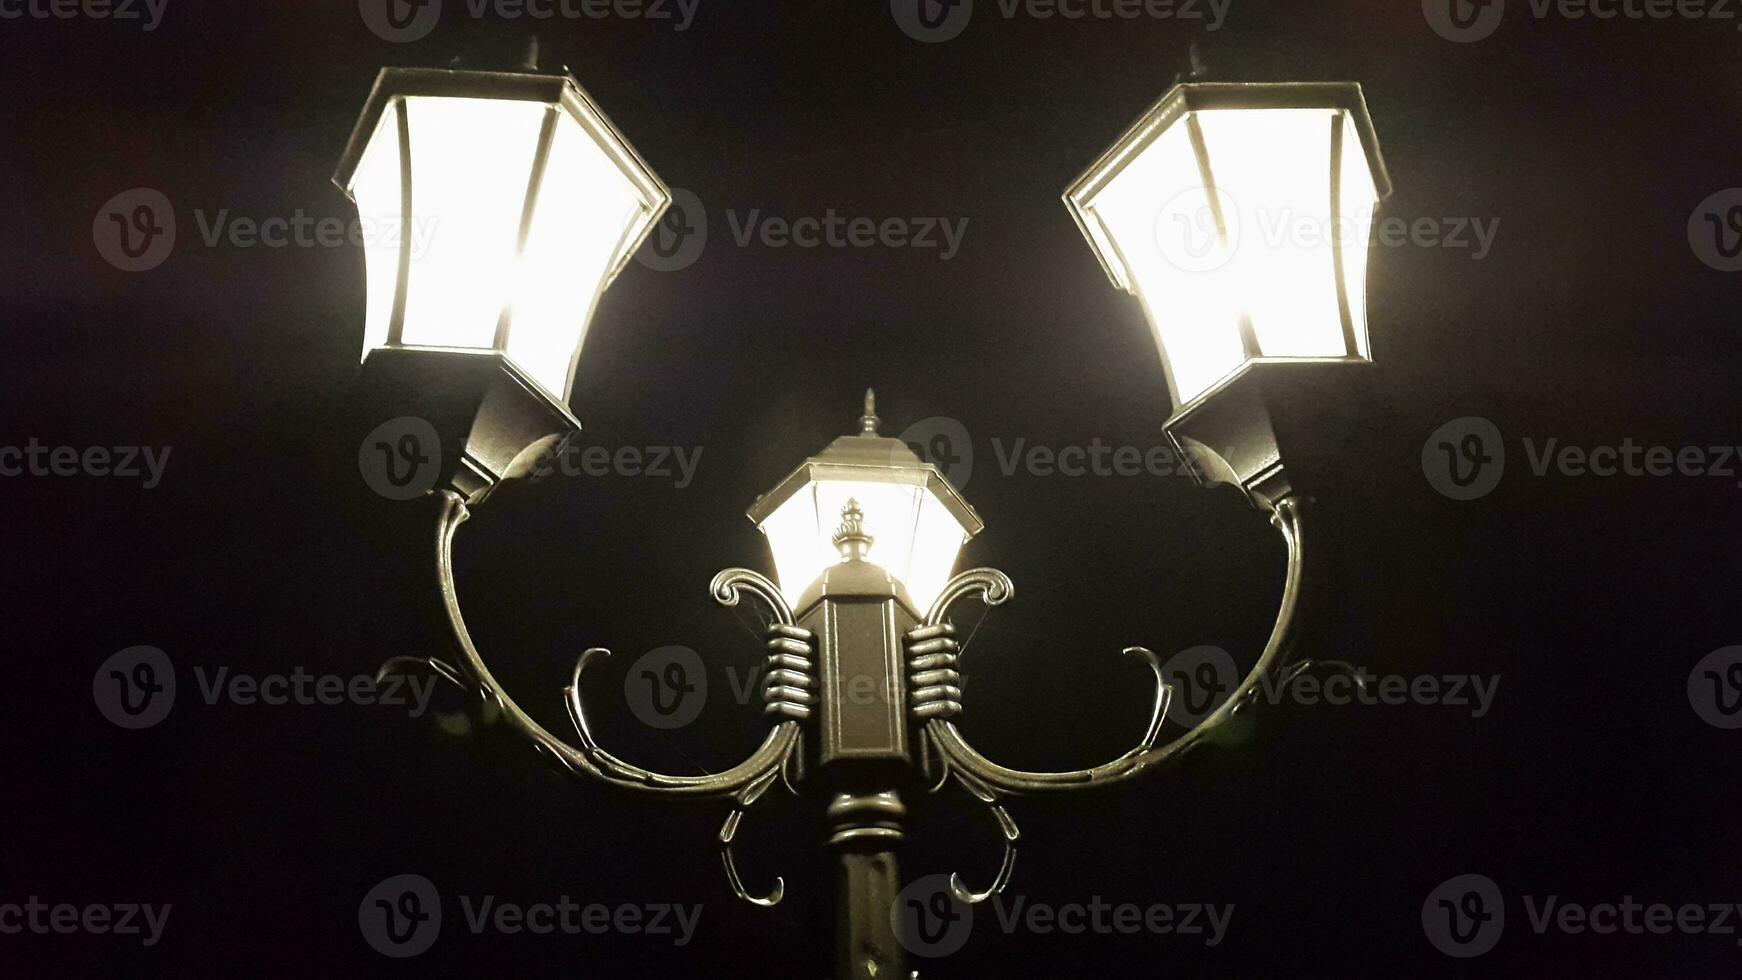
(1006, 826)
(746, 798)
(589, 759)
(995, 588)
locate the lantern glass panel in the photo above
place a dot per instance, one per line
(916, 538)
(1241, 217)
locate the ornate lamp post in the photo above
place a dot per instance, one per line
(862, 682)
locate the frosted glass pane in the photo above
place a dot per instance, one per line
(376, 188)
(916, 537)
(1159, 216)
(585, 207)
(470, 163)
(1360, 199)
(937, 543)
(1273, 167)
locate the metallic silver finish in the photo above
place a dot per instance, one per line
(744, 783)
(1274, 427)
(1007, 827)
(729, 829)
(934, 683)
(866, 826)
(869, 422)
(868, 458)
(789, 690)
(960, 756)
(862, 767)
(988, 781)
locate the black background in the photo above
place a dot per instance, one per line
(1591, 142)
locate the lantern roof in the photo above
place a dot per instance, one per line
(1188, 97)
(871, 458)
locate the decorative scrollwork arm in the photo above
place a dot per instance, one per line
(789, 697)
(996, 589)
(589, 759)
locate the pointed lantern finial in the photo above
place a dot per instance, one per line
(869, 422)
(850, 537)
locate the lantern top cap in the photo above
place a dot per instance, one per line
(560, 91)
(1188, 97)
(869, 458)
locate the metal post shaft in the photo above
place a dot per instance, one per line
(866, 829)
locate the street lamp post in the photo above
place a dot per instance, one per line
(862, 684)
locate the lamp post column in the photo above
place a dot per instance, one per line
(860, 615)
(866, 827)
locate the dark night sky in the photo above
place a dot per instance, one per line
(1591, 320)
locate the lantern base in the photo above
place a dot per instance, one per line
(493, 422)
(1274, 428)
